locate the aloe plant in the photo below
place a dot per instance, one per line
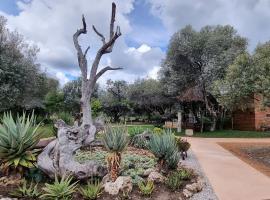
(17, 138)
(164, 147)
(62, 189)
(92, 190)
(115, 141)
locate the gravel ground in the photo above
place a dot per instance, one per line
(207, 193)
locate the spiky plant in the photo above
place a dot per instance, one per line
(62, 190)
(115, 140)
(17, 138)
(146, 188)
(164, 147)
(92, 190)
(26, 191)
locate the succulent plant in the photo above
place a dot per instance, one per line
(164, 147)
(61, 189)
(92, 190)
(115, 141)
(17, 138)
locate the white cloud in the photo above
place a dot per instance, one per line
(154, 72)
(250, 17)
(51, 23)
(62, 78)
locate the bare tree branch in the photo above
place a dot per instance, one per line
(99, 34)
(99, 74)
(86, 50)
(81, 58)
(107, 46)
(112, 20)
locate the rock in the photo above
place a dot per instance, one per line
(187, 193)
(148, 171)
(156, 177)
(189, 132)
(105, 179)
(195, 187)
(122, 183)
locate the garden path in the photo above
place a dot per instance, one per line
(230, 177)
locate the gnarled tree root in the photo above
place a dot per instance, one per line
(57, 157)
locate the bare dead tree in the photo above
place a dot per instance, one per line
(89, 83)
(58, 156)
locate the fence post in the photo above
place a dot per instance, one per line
(179, 122)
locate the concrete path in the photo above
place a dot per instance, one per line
(230, 177)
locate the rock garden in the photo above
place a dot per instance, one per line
(125, 164)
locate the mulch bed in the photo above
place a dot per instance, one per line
(256, 155)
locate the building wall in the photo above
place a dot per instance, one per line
(262, 115)
(256, 117)
(244, 120)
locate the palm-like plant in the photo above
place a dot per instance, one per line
(17, 138)
(164, 147)
(115, 140)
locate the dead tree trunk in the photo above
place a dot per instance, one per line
(57, 157)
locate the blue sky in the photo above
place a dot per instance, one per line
(146, 27)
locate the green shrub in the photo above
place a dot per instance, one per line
(92, 190)
(27, 192)
(165, 149)
(174, 181)
(132, 131)
(66, 117)
(183, 145)
(157, 130)
(139, 142)
(185, 174)
(17, 138)
(62, 190)
(115, 141)
(146, 188)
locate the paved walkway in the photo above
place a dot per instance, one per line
(230, 177)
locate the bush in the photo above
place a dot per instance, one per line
(17, 138)
(66, 117)
(27, 192)
(62, 189)
(146, 188)
(115, 141)
(185, 174)
(174, 181)
(92, 190)
(164, 147)
(135, 131)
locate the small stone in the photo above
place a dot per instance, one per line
(122, 183)
(148, 171)
(156, 177)
(192, 187)
(187, 193)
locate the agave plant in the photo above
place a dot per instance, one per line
(164, 147)
(25, 191)
(62, 189)
(115, 140)
(17, 138)
(92, 190)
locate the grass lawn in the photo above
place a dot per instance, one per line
(230, 134)
(46, 130)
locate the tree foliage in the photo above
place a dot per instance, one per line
(22, 85)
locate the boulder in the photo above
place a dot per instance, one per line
(147, 172)
(187, 193)
(156, 177)
(122, 183)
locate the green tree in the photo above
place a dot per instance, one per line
(114, 100)
(199, 58)
(22, 85)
